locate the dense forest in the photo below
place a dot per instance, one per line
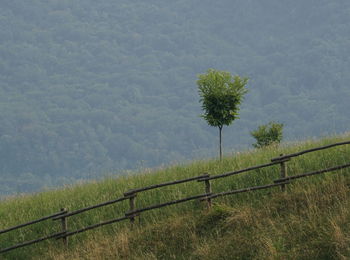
(89, 88)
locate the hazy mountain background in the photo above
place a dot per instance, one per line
(95, 87)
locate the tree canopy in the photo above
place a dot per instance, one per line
(89, 88)
(221, 94)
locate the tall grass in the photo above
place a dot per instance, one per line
(246, 225)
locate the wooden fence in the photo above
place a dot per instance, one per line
(207, 196)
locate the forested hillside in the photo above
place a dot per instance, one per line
(91, 87)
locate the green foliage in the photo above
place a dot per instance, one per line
(271, 133)
(92, 87)
(221, 94)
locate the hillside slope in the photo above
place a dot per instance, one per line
(311, 220)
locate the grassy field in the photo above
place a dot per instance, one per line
(311, 220)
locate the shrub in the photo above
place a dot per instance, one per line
(268, 134)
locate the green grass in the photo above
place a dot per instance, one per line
(309, 221)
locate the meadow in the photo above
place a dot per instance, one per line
(310, 220)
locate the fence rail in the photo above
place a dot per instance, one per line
(133, 191)
(207, 196)
(312, 173)
(246, 190)
(27, 243)
(71, 233)
(241, 171)
(33, 222)
(308, 151)
(90, 208)
(157, 206)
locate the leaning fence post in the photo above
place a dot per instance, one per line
(64, 226)
(283, 173)
(208, 191)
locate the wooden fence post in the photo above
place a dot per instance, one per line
(208, 191)
(283, 173)
(64, 226)
(132, 207)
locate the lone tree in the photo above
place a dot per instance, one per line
(221, 94)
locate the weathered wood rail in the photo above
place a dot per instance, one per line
(308, 151)
(157, 206)
(72, 213)
(31, 242)
(33, 222)
(131, 195)
(240, 171)
(312, 173)
(156, 186)
(27, 243)
(212, 196)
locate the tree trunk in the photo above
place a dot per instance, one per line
(220, 141)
